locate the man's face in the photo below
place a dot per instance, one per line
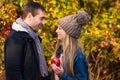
(38, 20)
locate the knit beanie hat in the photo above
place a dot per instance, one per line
(72, 24)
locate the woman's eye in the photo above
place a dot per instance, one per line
(60, 28)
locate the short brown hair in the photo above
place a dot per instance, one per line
(31, 7)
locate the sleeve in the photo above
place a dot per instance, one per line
(13, 58)
(80, 69)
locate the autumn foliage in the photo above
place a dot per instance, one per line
(100, 37)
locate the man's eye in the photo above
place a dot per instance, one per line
(42, 18)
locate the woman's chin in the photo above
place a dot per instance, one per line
(59, 38)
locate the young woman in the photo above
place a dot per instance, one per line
(74, 65)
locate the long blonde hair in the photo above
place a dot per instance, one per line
(69, 45)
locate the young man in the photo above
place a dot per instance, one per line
(24, 59)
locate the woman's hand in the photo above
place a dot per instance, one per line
(58, 70)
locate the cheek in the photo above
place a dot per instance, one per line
(63, 35)
(63, 32)
(36, 20)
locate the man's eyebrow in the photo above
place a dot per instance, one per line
(43, 17)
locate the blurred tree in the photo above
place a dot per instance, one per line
(100, 38)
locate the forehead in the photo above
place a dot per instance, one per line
(41, 13)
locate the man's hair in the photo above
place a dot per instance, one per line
(31, 7)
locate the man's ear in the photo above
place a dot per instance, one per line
(28, 19)
(29, 16)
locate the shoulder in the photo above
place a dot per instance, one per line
(79, 54)
(80, 60)
(14, 33)
(17, 36)
(80, 57)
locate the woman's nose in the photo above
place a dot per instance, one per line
(56, 30)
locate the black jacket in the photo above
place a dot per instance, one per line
(21, 57)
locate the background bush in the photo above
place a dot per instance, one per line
(100, 37)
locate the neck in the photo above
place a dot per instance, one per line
(28, 23)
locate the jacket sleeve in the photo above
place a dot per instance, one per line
(14, 49)
(80, 69)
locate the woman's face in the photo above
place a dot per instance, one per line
(60, 33)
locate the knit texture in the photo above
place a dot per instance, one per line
(72, 24)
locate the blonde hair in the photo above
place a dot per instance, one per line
(69, 45)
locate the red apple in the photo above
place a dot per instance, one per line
(56, 61)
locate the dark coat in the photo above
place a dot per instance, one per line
(21, 57)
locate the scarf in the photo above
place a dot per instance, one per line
(20, 25)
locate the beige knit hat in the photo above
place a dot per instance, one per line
(72, 24)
